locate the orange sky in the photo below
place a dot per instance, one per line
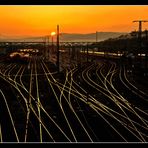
(38, 20)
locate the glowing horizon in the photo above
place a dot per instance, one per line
(33, 20)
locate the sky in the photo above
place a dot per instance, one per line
(40, 20)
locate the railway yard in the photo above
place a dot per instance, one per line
(101, 101)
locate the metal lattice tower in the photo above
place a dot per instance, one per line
(140, 27)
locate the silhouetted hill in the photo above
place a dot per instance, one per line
(90, 37)
(68, 37)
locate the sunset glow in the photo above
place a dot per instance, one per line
(53, 33)
(40, 20)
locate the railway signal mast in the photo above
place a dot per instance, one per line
(140, 35)
(140, 27)
(140, 30)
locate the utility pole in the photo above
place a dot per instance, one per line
(146, 47)
(87, 52)
(96, 42)
(44, 51)
(146, 35)
(58, 64)
(96, 36)
(48, 48)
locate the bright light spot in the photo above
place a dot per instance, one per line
(142, 55)
(53, 33)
